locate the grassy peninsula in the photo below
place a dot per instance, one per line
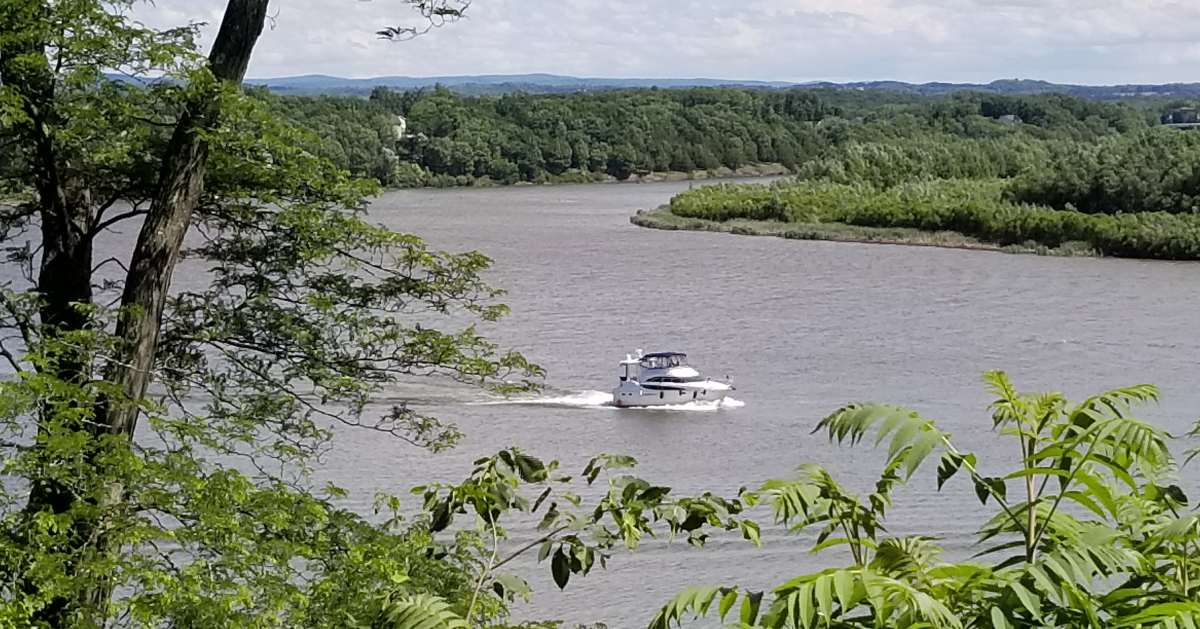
(1133, 194)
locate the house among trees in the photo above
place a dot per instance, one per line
(1010, 119)
(1182, 118)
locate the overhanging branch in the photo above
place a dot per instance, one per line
(436, 14)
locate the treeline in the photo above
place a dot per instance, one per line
(1146, 172)
(520, 137)
(974, 208)
(450, 139)
(1135, 194)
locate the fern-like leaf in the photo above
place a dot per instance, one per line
(912, 437)
(909, 558)
(422, 612)
(1176, 614)
(833, 597)
(694, 603)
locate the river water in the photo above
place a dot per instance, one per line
(802, 327)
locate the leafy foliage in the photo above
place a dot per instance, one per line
(1116, 558)
(1155, 171)
(295, 312)
(573, 536)
(837, 135)
(971, 207)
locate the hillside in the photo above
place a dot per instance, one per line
(552, 83)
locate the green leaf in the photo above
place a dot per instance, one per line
(512, 585)
(727, 601)
(920, 450)
(540, 499)
(949, 466)
(531, 470)
(422, 612)
(440, 518)
(695, 602)
(1029, 600)
(1161, 614)
(750, 605)
(823, 590)
(653, 495)
(987, 487)
(843, 584)
(750, 531)
(807, 610)
(560, 568)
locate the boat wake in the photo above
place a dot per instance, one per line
(603, 400)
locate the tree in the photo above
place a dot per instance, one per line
(309, 311)
(622, 161)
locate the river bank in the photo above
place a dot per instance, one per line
(946, 212)
(763, 169)
(662, 218)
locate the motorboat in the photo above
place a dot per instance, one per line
(662, 378)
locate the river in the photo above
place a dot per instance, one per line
(802, 327)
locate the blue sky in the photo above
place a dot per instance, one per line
(1079, 41)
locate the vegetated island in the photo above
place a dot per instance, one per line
(1134, 194)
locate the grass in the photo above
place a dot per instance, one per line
(662, 218)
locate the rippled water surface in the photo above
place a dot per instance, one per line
(802, 327)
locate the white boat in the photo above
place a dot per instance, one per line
(663, 378)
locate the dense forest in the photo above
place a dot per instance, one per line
(1046, 170)
(579, 137)
(1034, 172)
(450, 139)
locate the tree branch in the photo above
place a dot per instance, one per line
(103, 225)
(522, 550)
(8, 356)
(437, 13)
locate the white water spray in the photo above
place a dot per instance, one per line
(603, 400)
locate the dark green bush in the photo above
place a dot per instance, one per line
(971, 207)
(1153, 171)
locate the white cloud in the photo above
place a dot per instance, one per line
(1100, 41)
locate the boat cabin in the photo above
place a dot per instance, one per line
(663, 360)
(657, 367)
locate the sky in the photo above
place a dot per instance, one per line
(1067, 41)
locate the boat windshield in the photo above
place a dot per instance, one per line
(663, 361)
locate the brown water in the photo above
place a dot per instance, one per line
(802, 327)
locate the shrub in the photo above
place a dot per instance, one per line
(971, 207)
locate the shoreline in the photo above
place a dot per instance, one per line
(748, 171)
(662, 218)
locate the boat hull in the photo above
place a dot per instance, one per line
(634, 395)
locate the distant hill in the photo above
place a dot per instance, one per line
(1026, 87)
(488, 83)
(553, 83)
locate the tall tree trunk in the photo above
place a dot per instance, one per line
(65, 274)
(63, 203)
(180, 187)
(181, 184)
